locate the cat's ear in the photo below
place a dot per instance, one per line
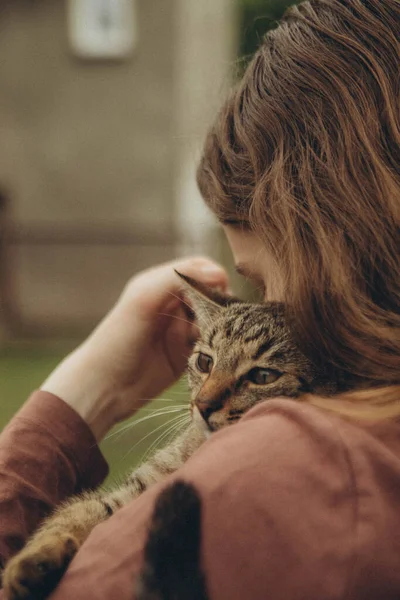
(206, 302)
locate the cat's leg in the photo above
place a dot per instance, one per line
(36, 570)
(168, 459)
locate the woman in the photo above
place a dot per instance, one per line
(302, 169)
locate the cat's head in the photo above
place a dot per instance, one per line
(245, 354)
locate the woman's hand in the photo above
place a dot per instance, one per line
(137, 350)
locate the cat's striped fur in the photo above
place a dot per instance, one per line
(245, 354)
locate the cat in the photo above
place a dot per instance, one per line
(245, 354)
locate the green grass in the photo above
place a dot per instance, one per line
(22, 370)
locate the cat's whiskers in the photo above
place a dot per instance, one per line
(164, 408)
(208, 321)
(166, 435)
(176, 392)
(172, 430)
(154, 444)
(155, 413)
(175, 317)
(182, 300)
(201, 317)
(180, 392)
(151, 433)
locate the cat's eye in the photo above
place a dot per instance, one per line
(261, 376)
(204, 362)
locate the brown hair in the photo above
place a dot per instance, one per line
(306, 153)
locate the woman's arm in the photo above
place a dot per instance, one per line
(49, 450)
(47, 453)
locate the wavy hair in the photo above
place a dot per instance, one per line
(306, 153)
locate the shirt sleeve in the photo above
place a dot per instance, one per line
(47, 453)
(277, 516)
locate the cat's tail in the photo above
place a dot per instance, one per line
(172, 568)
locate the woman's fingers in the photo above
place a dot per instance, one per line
(158, 289)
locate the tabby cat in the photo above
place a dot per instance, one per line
(245, 354)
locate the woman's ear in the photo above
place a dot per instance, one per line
(206, 302)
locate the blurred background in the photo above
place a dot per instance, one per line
(104, 105)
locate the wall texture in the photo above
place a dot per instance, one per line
(91, 156)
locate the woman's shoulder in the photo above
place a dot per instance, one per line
(283, 435)
(298, 494)
(284, 446)
(292, 432)
(299, 450)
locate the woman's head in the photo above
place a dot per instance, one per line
(305, 154)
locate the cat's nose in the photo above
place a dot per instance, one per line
(207, 407)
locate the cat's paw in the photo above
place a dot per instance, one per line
(36, 570)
